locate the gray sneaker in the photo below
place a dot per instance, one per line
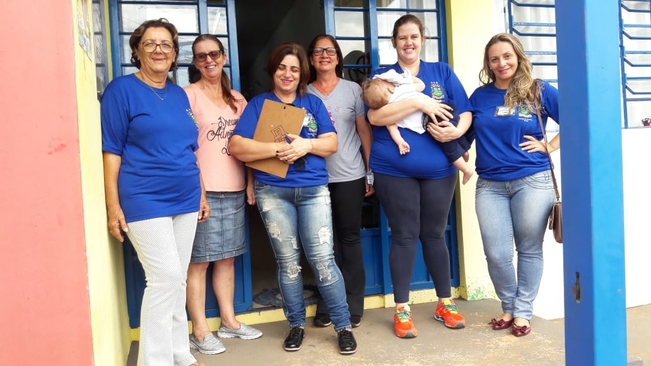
(209, 346)
(245, 332)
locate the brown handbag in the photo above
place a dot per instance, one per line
(556, 214)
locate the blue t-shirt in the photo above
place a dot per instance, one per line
(426, 158)
(498, 133)
(312, 171)
(156, 139)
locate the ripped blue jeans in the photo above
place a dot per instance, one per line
(298, 218)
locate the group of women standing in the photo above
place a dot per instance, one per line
(156, 136)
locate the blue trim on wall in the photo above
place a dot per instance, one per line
(234, 60)
(114, 29)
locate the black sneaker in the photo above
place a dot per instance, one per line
(355, 321)
(294, 339)
(346, 341)
(322, 320)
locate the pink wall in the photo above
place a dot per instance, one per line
(44, 302)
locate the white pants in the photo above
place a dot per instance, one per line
(164, 246)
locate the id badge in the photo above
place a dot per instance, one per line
(503, 111)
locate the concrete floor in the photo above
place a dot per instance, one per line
(477, 344)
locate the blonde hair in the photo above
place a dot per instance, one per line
(523, 89)
(372, 93)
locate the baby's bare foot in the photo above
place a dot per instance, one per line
(466, 175)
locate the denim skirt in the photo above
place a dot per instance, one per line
(222, 235)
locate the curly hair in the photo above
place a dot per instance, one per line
(137, 34)
(523, 88)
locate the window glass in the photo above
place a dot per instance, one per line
(411, 4)
(385, 20)
(349, 23)
(355, 53)
(126, 50)
(351, 4)
(217, 21)
(387, 52)
(430, 23)
(185, 49)
(184, 17)
(430, 50)
(99, 42)
(352, 49)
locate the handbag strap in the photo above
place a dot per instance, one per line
(551, 167)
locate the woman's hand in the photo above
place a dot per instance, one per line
(297, 148)
(116, 222)
(435, 109)
(443, 131)
(533, 145)
(204, 209)
(250, 195)
(369, 190)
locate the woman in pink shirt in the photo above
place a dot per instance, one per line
(217, 109)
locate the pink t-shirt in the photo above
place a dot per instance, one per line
(220, 171)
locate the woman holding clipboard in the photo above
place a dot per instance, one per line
(296, 208)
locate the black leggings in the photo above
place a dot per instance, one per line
(417, 209)
(347, 200)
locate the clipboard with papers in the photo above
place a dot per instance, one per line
(275, 122)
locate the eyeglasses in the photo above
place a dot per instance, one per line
(331, 51)
(214, 55)
(150, 46)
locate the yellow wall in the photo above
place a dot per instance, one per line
(470, 24)
(109, 318)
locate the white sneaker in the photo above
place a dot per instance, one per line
(209, 346)
(245, 332)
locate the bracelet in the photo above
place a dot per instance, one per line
(311, 145)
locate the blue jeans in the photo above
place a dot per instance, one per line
(295, 218)
(517, 211)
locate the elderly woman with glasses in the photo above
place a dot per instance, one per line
(346, 169)
(296, 209)
(153, 187)
(220, 239)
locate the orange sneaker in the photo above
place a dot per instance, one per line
(404, 326)
(447, 313)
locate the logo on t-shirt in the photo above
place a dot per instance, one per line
(524, 113)
(437, 91)
(310, 122)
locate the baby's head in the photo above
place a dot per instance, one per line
(376, 92)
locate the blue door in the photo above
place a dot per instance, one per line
(363, 31)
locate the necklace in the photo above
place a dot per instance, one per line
(326, 89)
(142, 78)
(156, 93)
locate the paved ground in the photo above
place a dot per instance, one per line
(477, 344)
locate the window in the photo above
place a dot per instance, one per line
(99, 41)
(190, 17)
(533, 21)
(369, 46)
